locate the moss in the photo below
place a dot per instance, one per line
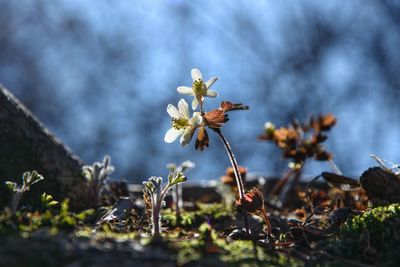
(219, 252)
(373, 237)
(215, 213)
(25, 223)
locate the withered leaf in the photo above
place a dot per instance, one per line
(229, 106)
(215, 118)
(252, 202)
(327, 121)
(202, 140)
(323, 122)
(342, 182)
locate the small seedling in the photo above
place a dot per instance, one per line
(47, 201)
(174, 169)
(185, 126)
(28, 179)
(154, 193)
(96, 176)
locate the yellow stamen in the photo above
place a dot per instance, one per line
(180, 123)
(198, 88)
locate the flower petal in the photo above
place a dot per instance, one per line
(173, 111)
(186, 90)
(187, 136)
(211, 93)
(183, 108)
(195, 103)
(196, 120)
(171, 135)
(211, 82)
(196, 75)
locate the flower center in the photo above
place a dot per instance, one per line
(180, 123)
(198, 87)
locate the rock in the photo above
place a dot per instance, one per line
(382, 187)
(27, 145)
(120, 211)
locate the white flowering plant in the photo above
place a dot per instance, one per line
(185, 126)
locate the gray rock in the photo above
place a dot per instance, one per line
(382, 186)
(25, 145)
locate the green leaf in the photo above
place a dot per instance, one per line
(52, 203)
(25, 178)
(178, 178)
(47, 201)
(33, 177)
(170, 178)
(12, 186)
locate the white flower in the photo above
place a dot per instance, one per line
(182, 125)
(199, 88)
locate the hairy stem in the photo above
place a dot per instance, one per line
(155, 230)
(15, 201)
(235, 166)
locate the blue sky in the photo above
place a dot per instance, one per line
(100, 75)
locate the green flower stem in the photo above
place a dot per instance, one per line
(239, 180)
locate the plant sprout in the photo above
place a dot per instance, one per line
(96, 176)
(28, 179)
(213, 120)
(184, 167)
(154, 193)
(47, 201)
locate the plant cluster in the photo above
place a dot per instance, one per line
(96, 176)
(300, 141)
(319, 222)
(185, 126)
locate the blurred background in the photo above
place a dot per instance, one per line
(100, 74)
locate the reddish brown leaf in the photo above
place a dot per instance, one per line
(202, 140)
(215, 118)
(229, 106)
